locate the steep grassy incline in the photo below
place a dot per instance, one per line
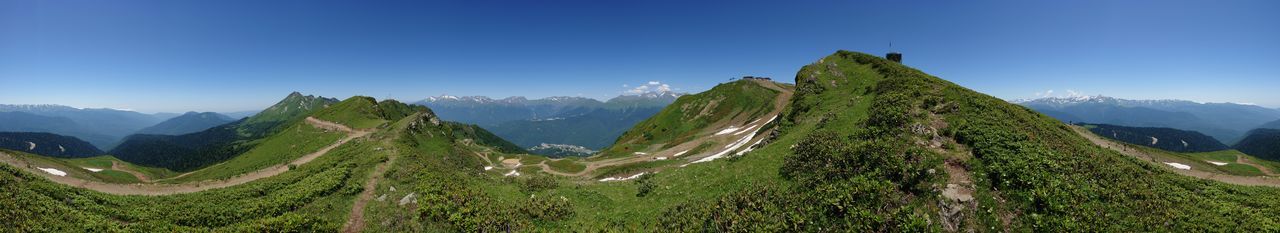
(290, 110)
(728, 105)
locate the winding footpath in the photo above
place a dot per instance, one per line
(152, 189)
(1231, 179)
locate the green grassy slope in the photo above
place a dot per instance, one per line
(690, 114)
(364, 112)
(279, 148)
(292, 109)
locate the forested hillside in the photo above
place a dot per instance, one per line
(48, 144)
(1261, 143)
(1163, 138)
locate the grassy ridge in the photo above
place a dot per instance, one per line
(690, 114)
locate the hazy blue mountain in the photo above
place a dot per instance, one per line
(1271, 125)
(165, 115)
(485, 111)
(48, 144)
(554, 120)
(27, 122)
(1163, 138)
(241, 114)
(187, 123)
(1226, 122)
(593, 130)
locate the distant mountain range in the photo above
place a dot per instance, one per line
(554, 120)
(100, 126)
(1226, 122)
(190, 122)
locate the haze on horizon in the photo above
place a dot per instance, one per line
(167, 56)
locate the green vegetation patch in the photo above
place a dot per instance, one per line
(566, 165)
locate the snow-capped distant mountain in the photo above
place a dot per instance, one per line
(1225, 121)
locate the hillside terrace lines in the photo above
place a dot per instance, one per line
(732, 140)
(152, 189)
(1141, 155)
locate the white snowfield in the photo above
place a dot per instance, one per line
(1179, 166)
(1217, 163)
(678, 154)
(729, 130)
(486, 168)
(735, 145)
(92, 169)
(32, 147)
(55, 172)
(622, 178)
(512, 173)
(641, 153)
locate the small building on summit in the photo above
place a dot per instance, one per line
(894, 56)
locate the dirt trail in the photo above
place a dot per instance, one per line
(153, 189)
(1246, 161)
(1231, 179)
(355, 221)
(115, 165)
(779, 103)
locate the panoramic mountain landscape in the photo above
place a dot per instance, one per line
(639, 117)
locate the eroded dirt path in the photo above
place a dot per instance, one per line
(115, 165)
(152, 189)
(1246, 161)
(355, 221)
(1231, 179)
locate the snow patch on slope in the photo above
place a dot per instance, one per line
(622, 178)
(53, 171)
(1179, 166)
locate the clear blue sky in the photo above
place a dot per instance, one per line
(241, 55)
